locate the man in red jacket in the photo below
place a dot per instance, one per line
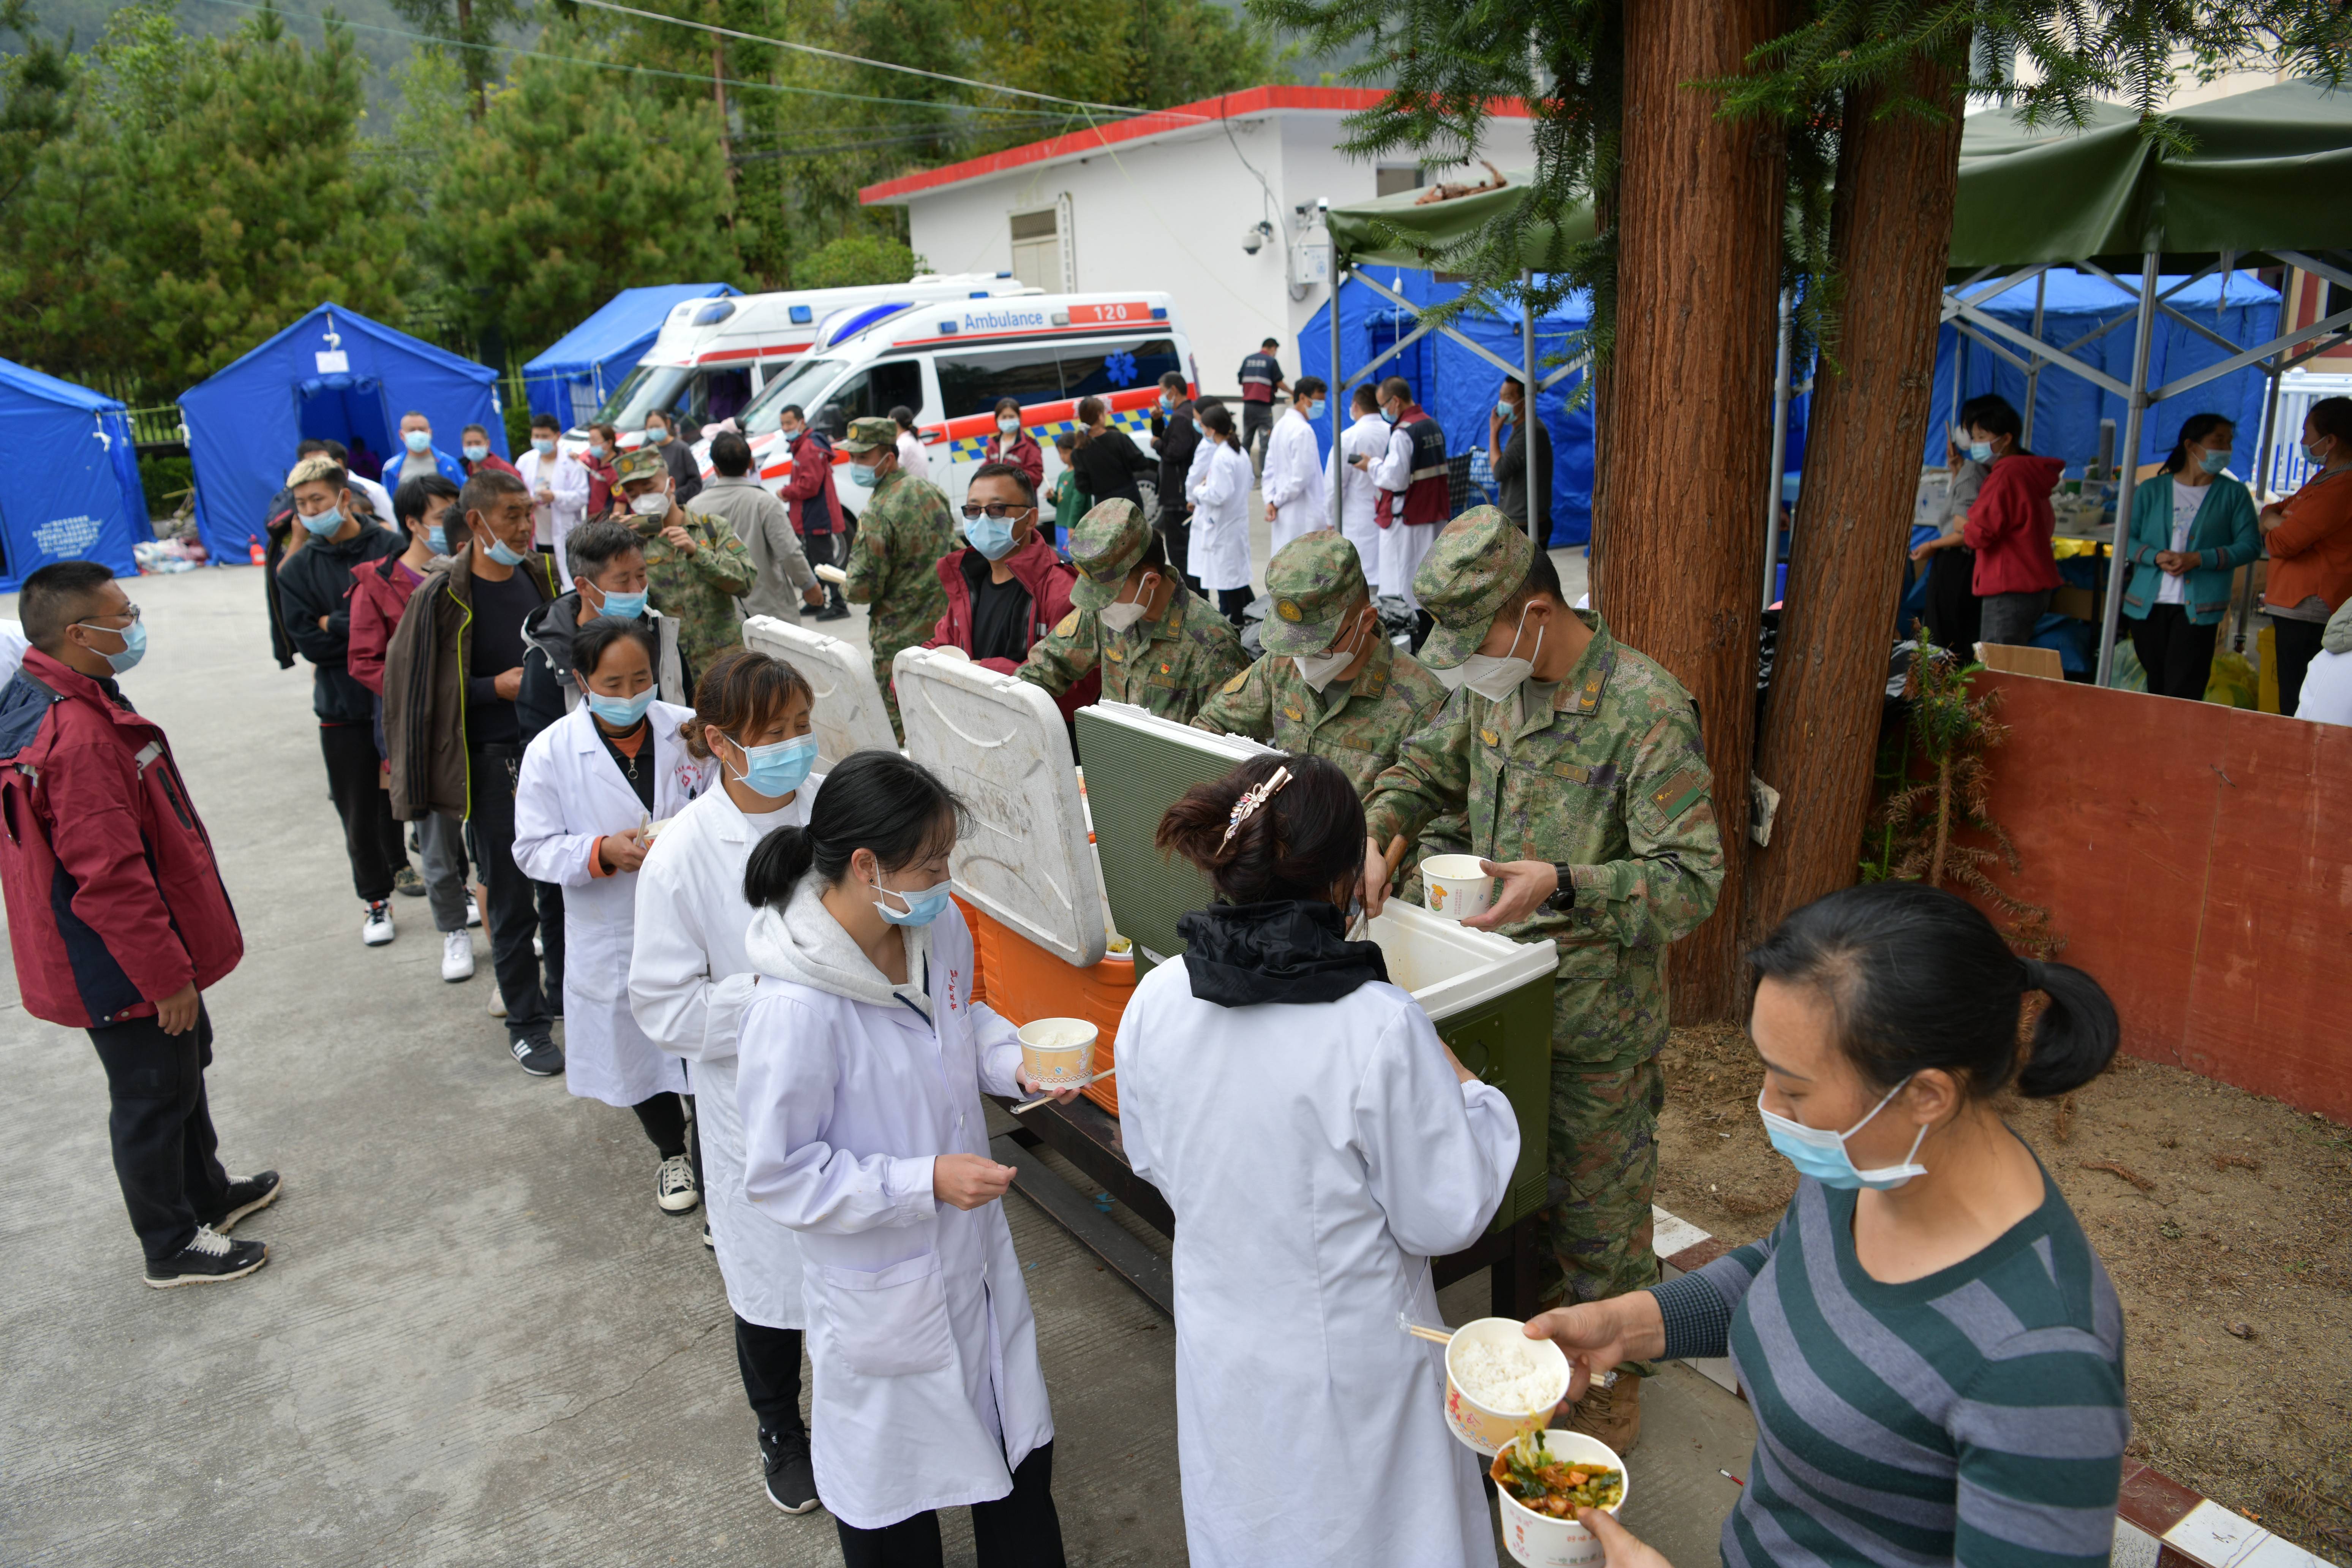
(1007, 587)
(117, 916)
(808, 495)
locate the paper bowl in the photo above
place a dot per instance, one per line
(1454, 886)
(1540, 1541)
(1481, 1426)
(1066, 1059)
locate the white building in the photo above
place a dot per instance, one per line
(1214, 202)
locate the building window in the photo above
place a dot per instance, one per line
(1037, 250)
(1388, 182)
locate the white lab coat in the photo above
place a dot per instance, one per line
(911, 456)
(1369, 437)
(923, 1349)
(1316, 1156)
(568, 478)
(1402, 548)
(1292, 482)
(569, 795)
(1219, 486)
(688, 981)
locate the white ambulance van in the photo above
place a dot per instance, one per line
(950, 361)
(713, 356)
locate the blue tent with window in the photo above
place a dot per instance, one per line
(69, 490)
(334, 375)
(578, 370)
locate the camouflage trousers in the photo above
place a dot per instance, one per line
(1604, 1146)
(882, 662)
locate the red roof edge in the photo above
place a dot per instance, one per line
(1232, 105)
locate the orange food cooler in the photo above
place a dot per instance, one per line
(1024, 981)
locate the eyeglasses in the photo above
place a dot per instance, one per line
(995, 508)
(129, 612)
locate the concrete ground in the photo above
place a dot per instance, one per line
(476, 1340)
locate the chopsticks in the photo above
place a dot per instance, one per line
(1435, 1336)
(1034, 1104)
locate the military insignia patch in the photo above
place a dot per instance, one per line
(1289, 610)
(1234, 685)
(1069, 623)
(1679, 794)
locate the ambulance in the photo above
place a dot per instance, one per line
(713, 356)
(951, 360)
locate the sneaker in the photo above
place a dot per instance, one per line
(473, 913)
(256, 1191)
(537, 945)
(674, 1187)
(791, 1478)
(406, 881)
(498, 1004)
(539, 1055)
(457, 957)
(377, 929)
(1613, 1414)
(706, 1237)
(210, 1257)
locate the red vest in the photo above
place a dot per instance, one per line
(1425, 498)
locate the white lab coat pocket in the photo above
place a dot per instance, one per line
(890, 1322)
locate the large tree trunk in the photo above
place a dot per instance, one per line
(1890, 235)
(1690, 408)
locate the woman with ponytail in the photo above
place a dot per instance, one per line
(863, 1061)
(688, 980)
(1318, 1144)
(1932, 1350)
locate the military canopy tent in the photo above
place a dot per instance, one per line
(69, 490)
(334, 375)
(578, 370)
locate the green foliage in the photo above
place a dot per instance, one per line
(35, 95)
(856, 258)
(469, 25)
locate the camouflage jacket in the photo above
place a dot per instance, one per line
(699, 589)
(1168, 666)
(893, 565)
(1359, 726)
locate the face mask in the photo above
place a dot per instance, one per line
(622, 710)
(326, 523)
(502, 555)
(922, 908)
(1980, 451)
(2213, 462)
(1312, 410)
(1008, 423)
(862, 476)
(1387, 417)
(596, 450)
(1168, 400)
(1822, 1155)
(476, 451)
(991, 536)
(417, 440)
(2311, 451)
(1320, 669)
(1495, 678)
(543, 445)
(652, 503)
(775, 771)
(657, 436)
(624, 606)
(134, 645)
(436, 540)
(1121, 615)
(1506, 411)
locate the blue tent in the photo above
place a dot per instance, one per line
(70, 490)
(334, 375)
(580, 368)
(2067, 409)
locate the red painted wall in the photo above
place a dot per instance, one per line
(2197, 860)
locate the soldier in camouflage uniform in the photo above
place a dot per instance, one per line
(893, 565)
(1586, 782)
(695, 566)
(1158, 645)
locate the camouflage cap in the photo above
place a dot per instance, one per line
(639, 463)
(1105, 546)
(1315, 581)
(1478, 560)
(870, 436)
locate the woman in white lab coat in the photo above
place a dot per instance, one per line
(590, 784)
(687, 983)
(1318, 1144)
(863, 1061)
(1219, 485)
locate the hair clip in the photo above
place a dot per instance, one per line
(1251, 800)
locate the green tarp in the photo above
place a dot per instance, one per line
(1363, 232)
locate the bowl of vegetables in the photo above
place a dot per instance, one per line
(1540, 1480)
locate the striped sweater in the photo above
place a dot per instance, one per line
(1976, 1416)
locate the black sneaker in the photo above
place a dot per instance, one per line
(210, 1257)
(791, 1481)
(257, 1192)
(539, 1055)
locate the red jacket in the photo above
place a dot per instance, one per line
(495, 463)
(2009, 524)
(1048, 578)
(1024, 455)
(114, 899)
(380, 592)
(810, 479)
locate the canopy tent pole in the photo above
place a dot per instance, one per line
(2127, 470)
(1779, 451)
(2033, 375)
(2245, 608)
(1538, 528)
(1338, 387)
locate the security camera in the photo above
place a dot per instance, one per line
(1323, 204)
(1254, 238)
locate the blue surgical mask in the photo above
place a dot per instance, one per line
(776, 771)
(134, 645)
(437, 538)
(1506, 411)
(862, 476)
(1387, 417)
(922, 908)
(502, 555)
(624, 606)
(991, 536)
(2311, 453)
(326, 523)
(1167, 400)
(2213, 462)
(622, 710)
(1980, 451)
(1313, 410)
(1821, 1154)
(476, 451)
(543, 445)
(417, 440)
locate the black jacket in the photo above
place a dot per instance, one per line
(317, 581)
(684, 471)
(1107, 465)
(1511, 476)
(551, 687)
(1178, 439)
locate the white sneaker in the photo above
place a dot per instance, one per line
(498, 1004)
(473, 913)
(674, 1187)
(456, 955)
(376, 929)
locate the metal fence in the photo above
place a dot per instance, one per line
(2297, 391)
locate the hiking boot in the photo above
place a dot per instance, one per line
(406, 881)
(256, 1191)
(791, 1478)
(1614, 1414)
(208, 1258)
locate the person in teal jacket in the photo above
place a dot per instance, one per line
(2191, 527)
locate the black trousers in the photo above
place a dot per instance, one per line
(770, 1361)
(161, 1129)
(519, 907)
(1233, 604)
(1257, 419)
(371, 834)
(2177, 653)
(663, 1116)
(2295, 644)
(1954, 615)
(1019, 1530)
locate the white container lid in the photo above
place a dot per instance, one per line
(1448, 967)
(848, 713)
(1000, 742)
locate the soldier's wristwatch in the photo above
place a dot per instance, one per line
(1564, 899)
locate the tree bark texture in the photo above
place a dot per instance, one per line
(1891, 227)
(1690, 408)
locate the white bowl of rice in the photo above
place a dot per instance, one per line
(1499, 1383)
